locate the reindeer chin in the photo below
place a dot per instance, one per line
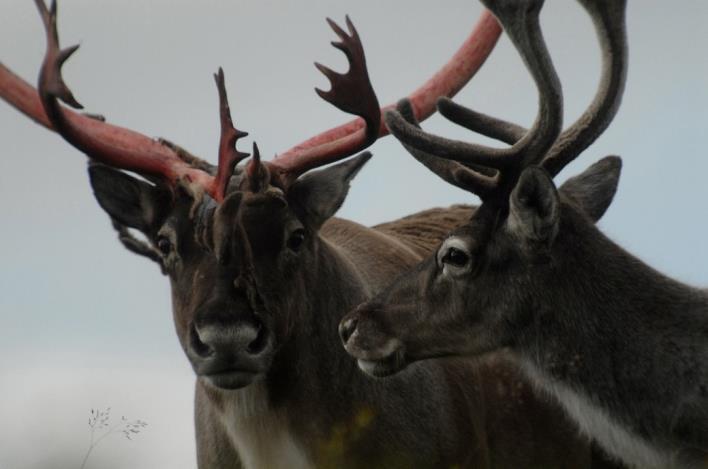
(390, 365)
(230, 380)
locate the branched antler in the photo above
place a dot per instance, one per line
(115, 146)
(357, 96)
(228, 155)
(453, 172)
(352, 91)
(609, 20)
(547, 147)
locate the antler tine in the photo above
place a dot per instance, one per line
(228, 155)
(50, 74)
(258, 176)
(115, 146)
(480, 123)
(456, 150)
(521, 22)
(609, 19)
(451, 171)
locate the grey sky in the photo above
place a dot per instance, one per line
(84, 323)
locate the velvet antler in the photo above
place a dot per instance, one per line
(491, 173)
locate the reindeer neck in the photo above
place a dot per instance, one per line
(621, 345)
(313, 361)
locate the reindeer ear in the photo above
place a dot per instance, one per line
(128, 200)
(593, 189)
(317, 195)
(534, 208)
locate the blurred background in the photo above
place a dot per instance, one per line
(85, 324)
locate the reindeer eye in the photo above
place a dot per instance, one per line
(164, 245)
(296, 239)
(456, 257)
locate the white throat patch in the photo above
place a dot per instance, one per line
(261, 436)
(594, 422)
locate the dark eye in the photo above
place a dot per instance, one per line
(456, 257)
(164, 245)
(296, 239)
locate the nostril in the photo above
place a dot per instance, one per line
(347, 328)
(199, 347)
(258, 344)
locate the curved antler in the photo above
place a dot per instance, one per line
(453, 172)
(521, 23)
(609, 19)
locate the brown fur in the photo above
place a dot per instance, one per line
(424, 230)
(296, 398)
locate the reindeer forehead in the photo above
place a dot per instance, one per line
(263, 217)
(261, 209)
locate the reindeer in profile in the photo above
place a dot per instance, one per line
(622, 347)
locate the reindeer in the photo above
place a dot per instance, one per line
(622, 347)
(261, 273)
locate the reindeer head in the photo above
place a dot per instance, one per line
(478, 288)
(238, 242)
(239, 269)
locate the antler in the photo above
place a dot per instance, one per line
(354, 136)
(108, 144)
(608, 17)
(228, 155)
(521, 22)
(123, 148)
(609, 20)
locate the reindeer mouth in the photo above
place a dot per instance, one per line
(230, 379)
(378, 354)
(386, 366)
(225, 373)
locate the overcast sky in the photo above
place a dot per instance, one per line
(86, 324)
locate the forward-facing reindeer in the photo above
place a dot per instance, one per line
(621, 346)
(261, 273)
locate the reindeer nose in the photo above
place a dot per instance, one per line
(238, 339)
(347, 328)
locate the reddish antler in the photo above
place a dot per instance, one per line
(356, 135)
(228, 155)
(351, 92)
(25, 98)
(108, 144)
